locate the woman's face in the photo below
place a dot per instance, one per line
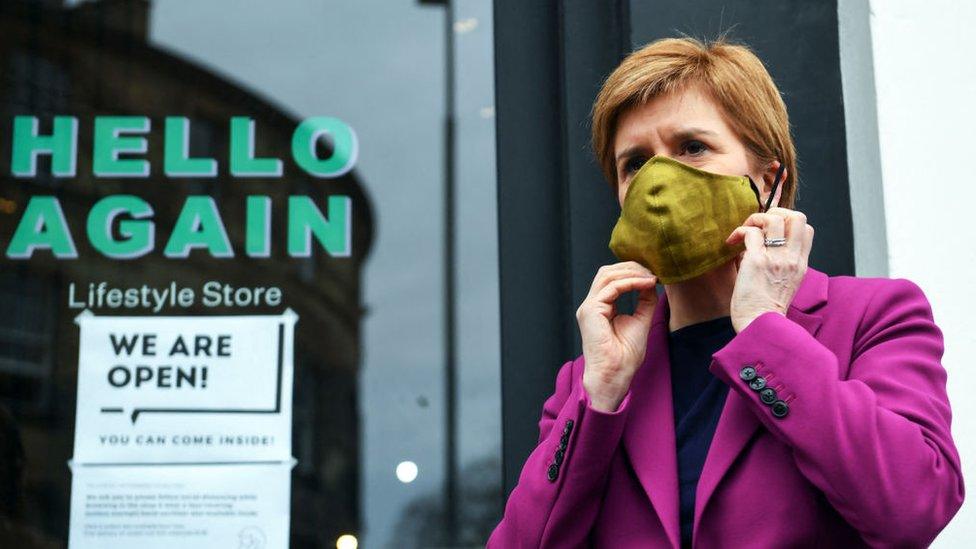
(687, 126)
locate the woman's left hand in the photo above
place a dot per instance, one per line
(768, 277)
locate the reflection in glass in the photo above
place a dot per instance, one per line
(369, 363)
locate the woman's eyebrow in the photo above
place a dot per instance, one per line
(629, 151)
(687, 133)
(680, 133)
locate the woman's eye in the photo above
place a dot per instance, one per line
(634, 164)
(695, 148)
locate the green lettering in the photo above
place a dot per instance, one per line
(305, 219)
(110, 142)
(344, 146)
(242, 160)
(199, 226)
(177, 161)
(257, 241)
(62, 145)
(139, 233)
(42, 226)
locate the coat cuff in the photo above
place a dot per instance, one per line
(582, 439)
(594, 434)
(786, 361)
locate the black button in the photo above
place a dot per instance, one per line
(780, 408)
(559, 456)
(748, 373)
(564, 440)
(758, 384)
(553, 472)
(767, 395)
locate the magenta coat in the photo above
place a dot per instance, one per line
(862, 457)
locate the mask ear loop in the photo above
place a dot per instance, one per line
(776, 182)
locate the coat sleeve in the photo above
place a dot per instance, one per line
(557, 497)
(877, 443)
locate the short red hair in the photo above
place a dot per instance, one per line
(731, 73)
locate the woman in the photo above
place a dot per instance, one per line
(759, 402)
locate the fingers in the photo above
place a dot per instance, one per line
(754, 239)
(795, 227)
(646, 301)
(776, 223)
(615, 271)
(615, 288)
(807, 241)
(773, 225)
(758, 226)
(610, 282)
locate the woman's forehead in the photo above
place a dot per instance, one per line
(681, 113)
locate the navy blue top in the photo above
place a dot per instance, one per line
(698, 399)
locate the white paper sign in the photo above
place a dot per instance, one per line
(183, 432)
(184, 389)
(185, 506)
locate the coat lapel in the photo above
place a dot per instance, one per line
(649, 436)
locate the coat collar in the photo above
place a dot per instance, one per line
(649, 436)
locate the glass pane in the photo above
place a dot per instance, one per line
(238, 286)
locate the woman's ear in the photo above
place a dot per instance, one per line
(769, 177)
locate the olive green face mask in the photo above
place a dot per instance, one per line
(675, 218)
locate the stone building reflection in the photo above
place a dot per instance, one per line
(93, 59)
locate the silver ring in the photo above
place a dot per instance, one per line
(773, 242)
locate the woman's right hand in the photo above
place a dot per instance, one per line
(614, 345)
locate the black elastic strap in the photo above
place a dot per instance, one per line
(776, 182)
(755, 190)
